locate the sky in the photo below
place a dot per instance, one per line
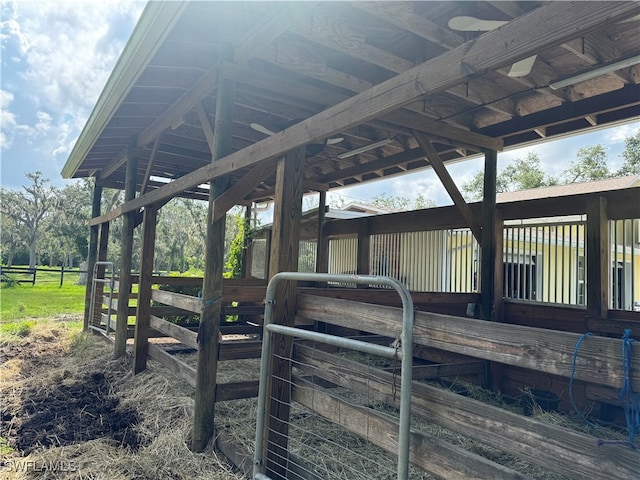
(57, 55)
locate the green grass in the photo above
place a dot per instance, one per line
(40, 300)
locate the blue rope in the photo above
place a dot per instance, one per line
(573, 372)
(630, 400)
(199, 336)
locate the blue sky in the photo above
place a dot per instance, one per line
(57, 55)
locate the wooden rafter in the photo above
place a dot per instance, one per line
(544, 27)
(448, 183)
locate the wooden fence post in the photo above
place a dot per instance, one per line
(219, 140)
(284, 257)
(143, 315)
(487, 270)
(598, 263)
(126, 251)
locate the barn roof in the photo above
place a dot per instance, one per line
(369, 73)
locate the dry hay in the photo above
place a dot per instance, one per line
(326, 447)
(163, 409)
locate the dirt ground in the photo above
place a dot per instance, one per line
(69, 411)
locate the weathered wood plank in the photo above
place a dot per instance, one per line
(448, 183)
(178, 367)
(559, 449)
(178, 300)
(435, 456)
(443, 370)
(599, 360)
(239, 190)
(237, 390)
(219, 140)
(237, 350)
(597, 250)
(284, 258)
(143, 314)
(175, 331)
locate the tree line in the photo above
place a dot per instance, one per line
(590, 165)
(46, 225)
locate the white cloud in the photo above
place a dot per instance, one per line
(57, 56)
(619, 134)
(7, 120)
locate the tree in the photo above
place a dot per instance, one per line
(591, 165)
(401, 202)
(631, 155)
(522, 174)
(28, 209)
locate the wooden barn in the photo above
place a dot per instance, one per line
(239, 103)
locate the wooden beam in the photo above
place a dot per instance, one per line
(448, 183)
(175, 331)
(554, 447)
(488, 239)
(306, 185)
(219, 140)
(543, 28)
(147, 173)
(284, 257)
(264, 33)
(461, 137)
(115, 164)
(435, 456)
(143, 317)
(401, 15)
(126, 254)
(537, 349)
(238, 191)
(598, 262)
(338, 34)
(174, 364)
(321, 256)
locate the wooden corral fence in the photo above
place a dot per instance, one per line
(556, 448)
(241, 298)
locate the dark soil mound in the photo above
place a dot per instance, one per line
(74, 413)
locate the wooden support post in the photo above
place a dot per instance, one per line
(219, 140)
(364, 247)
(498, 269)
(488, 242)
(143, 316)
(103, 243)
(246, 244)
(284, 257)
(126, 252)
(598, 263)
(267, 253)
(322, 244)
(93, 249)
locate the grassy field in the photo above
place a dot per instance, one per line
(44, 299)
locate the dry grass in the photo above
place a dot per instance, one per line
(49, 356)
(52, 354)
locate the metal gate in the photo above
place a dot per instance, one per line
(399, 351)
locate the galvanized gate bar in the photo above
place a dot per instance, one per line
(406, 354)
(109, 271)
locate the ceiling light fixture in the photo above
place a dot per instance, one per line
(596, 72)
(366, 148)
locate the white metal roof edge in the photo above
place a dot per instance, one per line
(154, 24)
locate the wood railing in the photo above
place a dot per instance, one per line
(561, 450)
